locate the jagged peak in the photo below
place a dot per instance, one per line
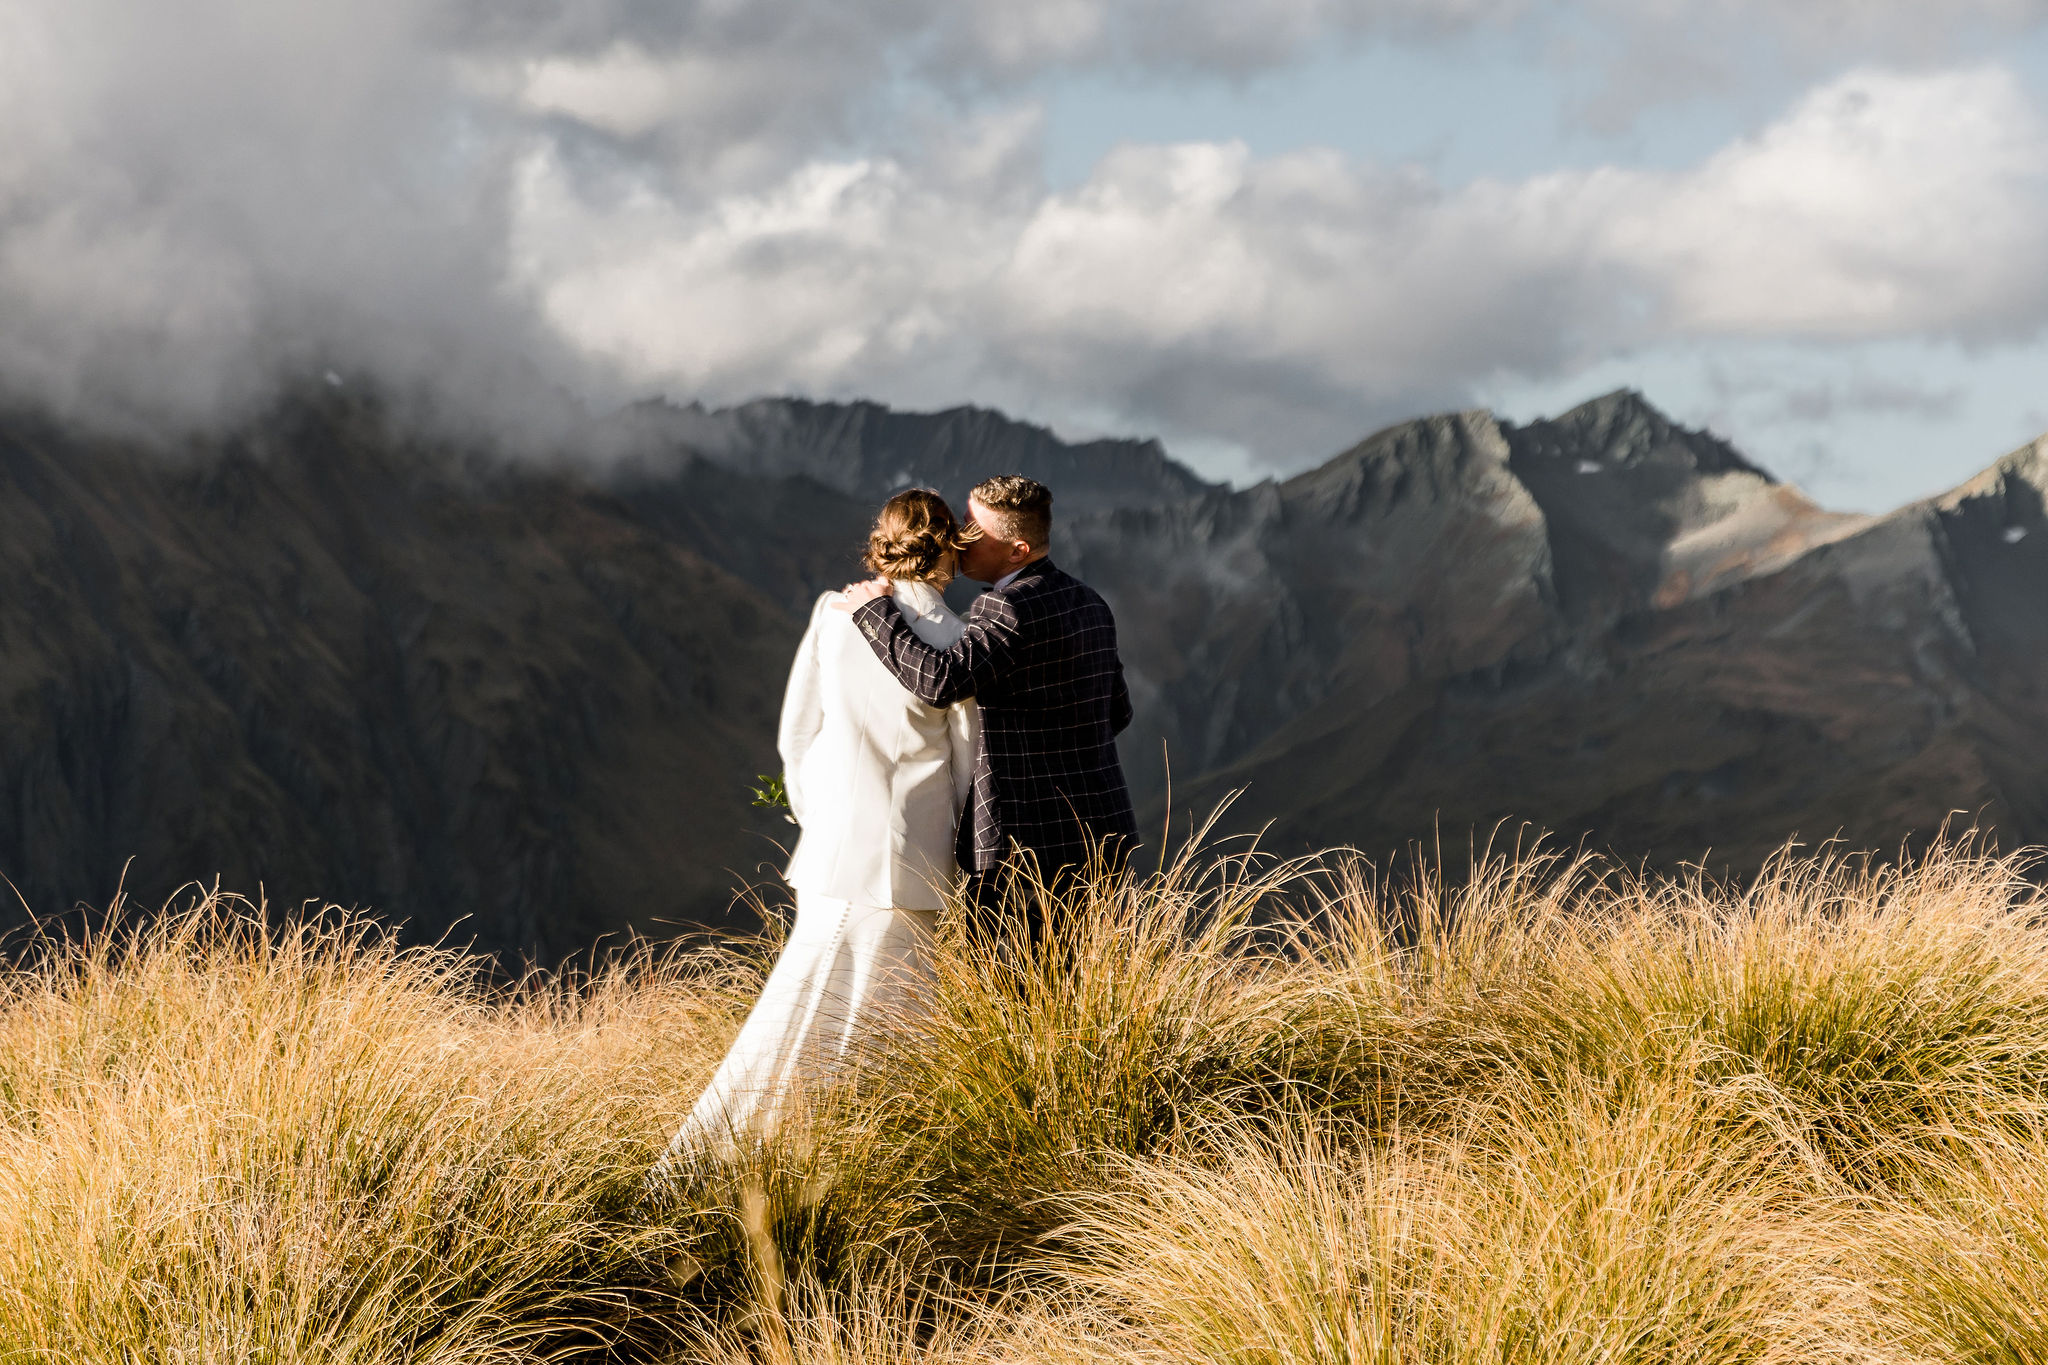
(1454, 456)
(2028, 464)
(789, 408)
(1415, 437)
(1620, 430)
(867, 449)
(1623, 428)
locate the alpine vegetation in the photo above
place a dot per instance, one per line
(1233, 1110)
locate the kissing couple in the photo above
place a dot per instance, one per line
(927, 756)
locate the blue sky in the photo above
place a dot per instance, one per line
(1258, 229)
(1463, 110)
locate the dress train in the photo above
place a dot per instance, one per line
(845, 971)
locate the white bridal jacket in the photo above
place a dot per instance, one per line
(876, 778)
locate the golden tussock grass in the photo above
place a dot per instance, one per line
(1236, 1111)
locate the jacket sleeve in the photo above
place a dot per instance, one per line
(803, 710)
(1119, 702)
(940, 677)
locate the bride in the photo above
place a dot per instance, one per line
(877, 780)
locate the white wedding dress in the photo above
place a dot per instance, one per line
(877, 780)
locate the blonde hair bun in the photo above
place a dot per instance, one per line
(915, 536)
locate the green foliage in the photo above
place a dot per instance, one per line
(771, 794)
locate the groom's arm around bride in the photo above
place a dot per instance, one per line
(1040, 655)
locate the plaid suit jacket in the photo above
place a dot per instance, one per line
(1040, 656)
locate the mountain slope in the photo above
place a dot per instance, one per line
(523, 704)
(518, 704)
(1727, 667)
(322, 661)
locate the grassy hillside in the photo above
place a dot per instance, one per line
(1555, 1114)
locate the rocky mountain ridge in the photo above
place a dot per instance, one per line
(1683, 657)
(524, 703)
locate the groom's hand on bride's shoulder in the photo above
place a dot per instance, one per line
(857, 595)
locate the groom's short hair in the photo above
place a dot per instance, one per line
(1023, 507)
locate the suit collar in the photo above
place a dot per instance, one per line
(1037, 568)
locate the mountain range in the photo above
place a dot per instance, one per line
(522, 702)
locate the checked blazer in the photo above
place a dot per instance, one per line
(1039, 655)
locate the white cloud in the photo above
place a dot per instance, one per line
(1281, 302)
(1883, 204)
(843, 196)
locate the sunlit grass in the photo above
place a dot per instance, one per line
(1235, 1111)
(1538, 1230)
(220, 1141)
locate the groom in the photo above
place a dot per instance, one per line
(1040, 657)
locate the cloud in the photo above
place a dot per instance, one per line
(194, 198)
(489, 200)
(1882, 204)
(1281, 302)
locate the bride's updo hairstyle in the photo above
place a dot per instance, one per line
(914, 536)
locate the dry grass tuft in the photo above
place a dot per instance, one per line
(1236, 1111)
(225, 1141)
(1554, 1231)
